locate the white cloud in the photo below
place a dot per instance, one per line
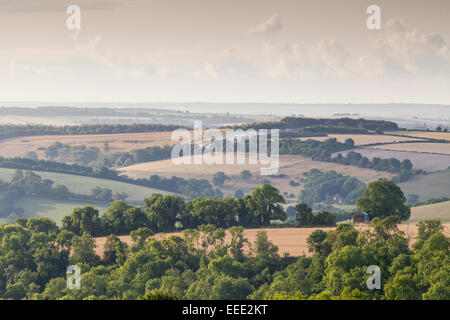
(399, 52)
(271, 25)
(294, 60)
(407, 52)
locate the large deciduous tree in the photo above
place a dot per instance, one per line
(267, 200)
(383, 199)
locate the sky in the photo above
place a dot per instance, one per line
(295, 51)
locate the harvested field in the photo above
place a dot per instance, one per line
(117, 142)
(439, 211)
(429, 135)
(364, 139)
(289, 165)
(436, 148)
(288, 240)
(425, 161)
(291, 168)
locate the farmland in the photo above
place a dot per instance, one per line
(424, 161)
(428, 135)
(364, 139)
(432, 185)
(288, 240)
(121, 142)
(125, 142)
(53, 209)
(84, 185)
(439, 211)
(291, 166)
(256, 269)
(436, 148)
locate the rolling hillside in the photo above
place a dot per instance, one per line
(291, 168)
(439, 211)
(433, 185)
(84, 185)
(53, 209)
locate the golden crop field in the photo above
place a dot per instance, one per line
(292, 166)
(364, 139)
(288, 240)
(438, 148)
(120, 142)
(430, 135)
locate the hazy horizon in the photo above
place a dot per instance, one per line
(397, 111)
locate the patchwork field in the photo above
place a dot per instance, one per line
(291, 168)
(425, 161)
(364, 139)
(288, 240)
(439, 211)
(289, 165)
(53, 209)
(429, 135)
(84, 185)
(117, 142)
(432, 185)
(436, 148)
(129, 141)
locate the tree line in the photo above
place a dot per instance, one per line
(90, 156)
(29, 184)
(168, 213)
(189, 187)
(294, 122)
(323, 151)
(12, 131)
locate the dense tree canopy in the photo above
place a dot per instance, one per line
(325, 186)
(34, 255)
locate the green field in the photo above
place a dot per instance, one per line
(84, 185)
(53, 209)
(433, 185)
(439, 211)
